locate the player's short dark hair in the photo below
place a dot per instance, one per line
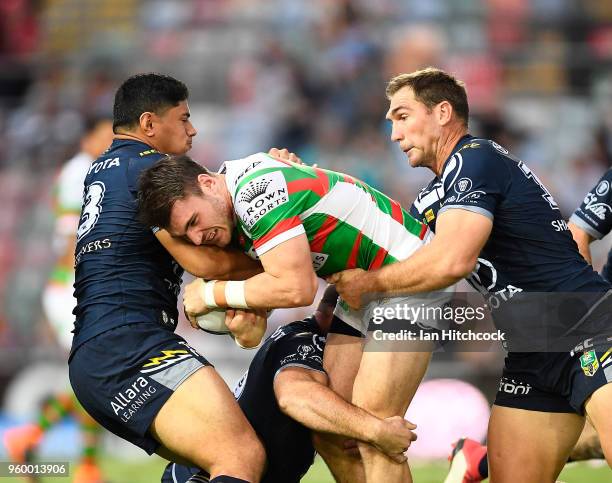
(170, 179)
(146, 93)
(432, 86)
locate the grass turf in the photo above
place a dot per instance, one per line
(149, 470)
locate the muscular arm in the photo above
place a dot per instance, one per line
(288, 279)
(583, 240)
(207, 261)
(451, 256)
(303, 395)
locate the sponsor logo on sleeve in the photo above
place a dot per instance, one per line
(600, 210)
(464, 193)
(307, 352)
(260, 196)
(463, 185)
(602, 188)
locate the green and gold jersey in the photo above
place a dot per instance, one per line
(348, 223)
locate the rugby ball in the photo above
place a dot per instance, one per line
(213, 322)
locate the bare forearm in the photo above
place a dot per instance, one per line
(319, 408)
(583, 240)
(265, 291)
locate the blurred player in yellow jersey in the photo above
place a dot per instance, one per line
(58, 302)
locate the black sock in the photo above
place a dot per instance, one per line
(483, 467)
(227, 479)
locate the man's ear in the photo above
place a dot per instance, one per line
(206, 182)
(444, 112)
(146, 123)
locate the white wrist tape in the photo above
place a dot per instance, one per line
(246, 348)
(209, 294)
(234, 294)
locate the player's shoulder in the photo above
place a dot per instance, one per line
(481, 150)
(239, 172)
(476, 158)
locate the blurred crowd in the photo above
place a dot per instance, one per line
(308, 75)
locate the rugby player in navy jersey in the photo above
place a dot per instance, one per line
(285, 395)
(495, 220)
(127, 367)
(591, 221)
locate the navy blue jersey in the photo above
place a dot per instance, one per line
(595, 215)
(530, 247)
(123, 274)
(288, 444)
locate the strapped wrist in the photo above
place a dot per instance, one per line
(235, 294)
(208, 294)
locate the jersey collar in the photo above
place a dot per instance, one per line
(462, 142)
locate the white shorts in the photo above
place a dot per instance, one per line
(414, 309)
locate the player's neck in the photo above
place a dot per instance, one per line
(134, 136)
(447, 143)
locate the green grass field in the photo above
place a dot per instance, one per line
(149, 470)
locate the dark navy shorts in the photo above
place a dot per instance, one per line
(556, 382)
(124, 376)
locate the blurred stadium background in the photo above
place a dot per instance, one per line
(308, 75)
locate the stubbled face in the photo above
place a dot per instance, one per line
(414, 128)
(203, 220)
(173, 131)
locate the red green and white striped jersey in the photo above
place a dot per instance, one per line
(348, 223)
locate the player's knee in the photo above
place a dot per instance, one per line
(247, 463)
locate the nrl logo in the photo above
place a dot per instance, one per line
(255, 189)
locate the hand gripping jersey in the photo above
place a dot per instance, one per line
(595, 215)
(123, 274)
(530, 247)
(348, 223)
